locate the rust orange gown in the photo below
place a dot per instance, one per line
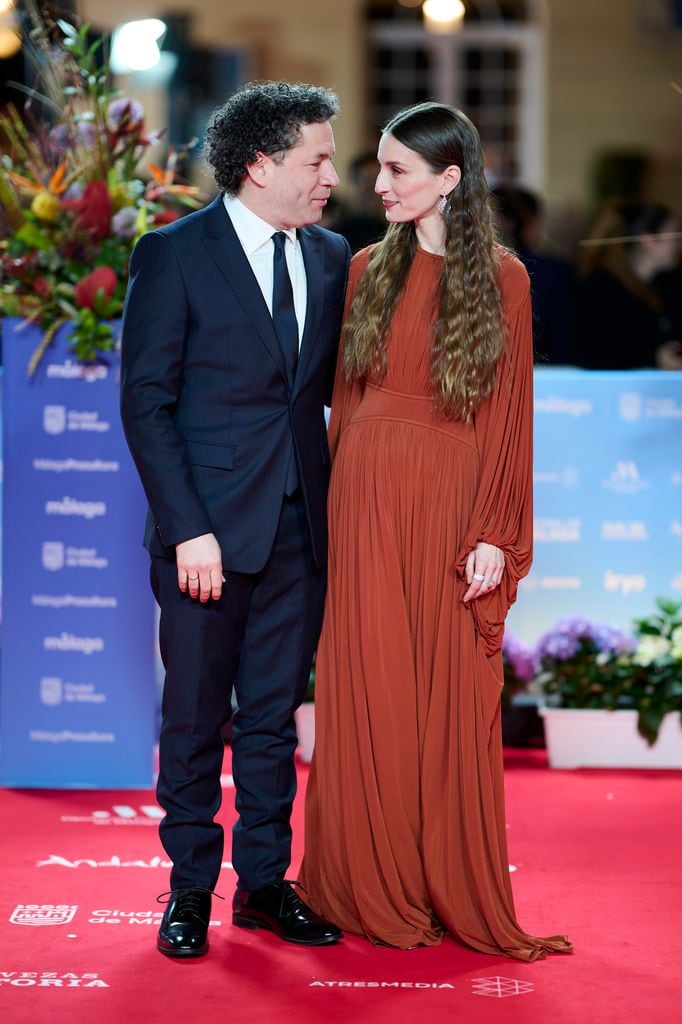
(405, 827)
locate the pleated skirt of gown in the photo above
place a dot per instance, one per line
(405, 826)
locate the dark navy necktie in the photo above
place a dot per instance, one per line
(283, 311)
(286, 329)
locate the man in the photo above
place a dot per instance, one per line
(229, 342)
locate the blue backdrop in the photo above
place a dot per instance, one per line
(77, 689)
(608, 497)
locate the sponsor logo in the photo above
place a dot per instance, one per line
(54, 860)
(568, 477)
(381, 984)
(54, 419)
(53, 555)
(131, 917)
(564, 531)
(676, 528)
(630, 405)
(551, 583)
(557, 405)
(53, 691)
(68, 736)
(69, 370)
(625, 478)
(72, 601)
(501, 988)
(625, 530)
(624, 583)
(73, 507)
(663, 408)
(69, 642)
(57, 419)
(121, 814)
(76, 465)
(35, 914)
(56, 555)
(50, 979)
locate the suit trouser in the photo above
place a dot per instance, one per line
(259, 639)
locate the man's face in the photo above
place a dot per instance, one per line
(297, 189)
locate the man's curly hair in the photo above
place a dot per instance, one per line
(261, 117)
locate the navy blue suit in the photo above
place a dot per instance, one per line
(211, 416)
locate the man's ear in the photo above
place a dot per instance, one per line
(258, 170)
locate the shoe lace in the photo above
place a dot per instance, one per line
(188, 900)
(291, 901)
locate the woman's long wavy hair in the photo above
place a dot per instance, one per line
(468, 335)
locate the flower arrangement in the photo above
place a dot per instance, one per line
(72, 201)
(586, 665)
(520, 664)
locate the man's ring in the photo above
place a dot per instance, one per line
(479, 576)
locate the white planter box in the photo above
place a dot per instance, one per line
(586, 738)
(305, 727)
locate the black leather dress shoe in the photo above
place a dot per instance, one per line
(278, 908)
(184, 925)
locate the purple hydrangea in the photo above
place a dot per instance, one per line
(610, 640)
(564, 639)
(520, 657)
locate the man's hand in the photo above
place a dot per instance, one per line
(200, 567)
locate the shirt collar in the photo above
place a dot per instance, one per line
(252, 231)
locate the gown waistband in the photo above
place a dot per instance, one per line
(380, 403)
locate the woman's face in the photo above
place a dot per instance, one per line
(409, 189)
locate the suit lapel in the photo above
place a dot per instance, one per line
(222, 242)
(313, 258)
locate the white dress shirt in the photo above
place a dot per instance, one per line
(255, 236)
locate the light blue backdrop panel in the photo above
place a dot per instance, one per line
(608, 498)
(77, 693)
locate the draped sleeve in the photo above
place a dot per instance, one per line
(346, 395)
(503, 507)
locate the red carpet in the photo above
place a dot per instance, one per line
(597, 855)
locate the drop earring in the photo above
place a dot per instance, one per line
(442, 205)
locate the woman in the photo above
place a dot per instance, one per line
(626, 316)
(430, 528)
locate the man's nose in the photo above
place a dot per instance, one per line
(330, 176)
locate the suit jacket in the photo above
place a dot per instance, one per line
(207, 408)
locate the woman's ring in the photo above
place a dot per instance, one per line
(479, 576)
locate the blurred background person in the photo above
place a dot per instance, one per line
(364, 221)
(520, 218)
(628, 310)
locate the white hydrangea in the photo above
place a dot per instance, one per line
(650, 648)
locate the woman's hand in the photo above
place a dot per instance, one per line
(484, 568)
